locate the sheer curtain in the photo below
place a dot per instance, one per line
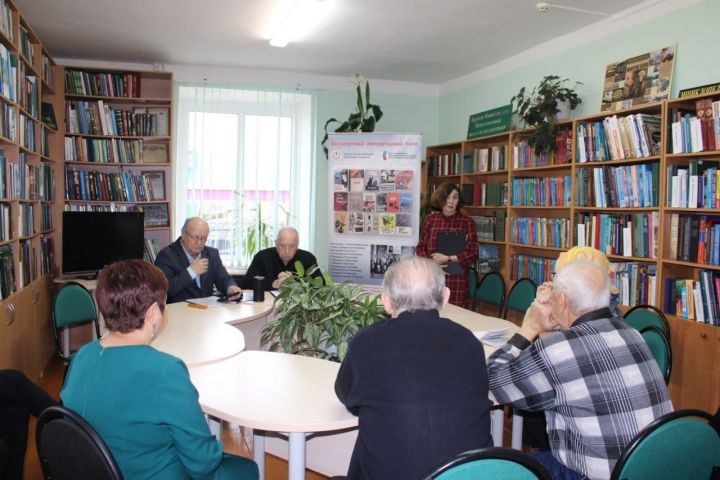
(245, 164)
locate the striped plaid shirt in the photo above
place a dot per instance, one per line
(597, 382)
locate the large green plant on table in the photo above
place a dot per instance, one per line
(316, 317)
(365, 117)
(539, 108)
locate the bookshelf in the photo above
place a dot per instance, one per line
(117, 144)
(631, 175)
(31, 154)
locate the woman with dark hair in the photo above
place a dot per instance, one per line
(140, 400)
(445, 203)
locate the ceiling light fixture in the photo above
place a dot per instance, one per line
(300, 20)
(543, 7)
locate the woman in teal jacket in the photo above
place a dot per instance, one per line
(140, 400)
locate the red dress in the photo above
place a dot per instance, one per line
(437, 222)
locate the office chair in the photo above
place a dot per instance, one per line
(70, 449)
(488, 294)
(660, 348)
(72, 305)
(641, 316)
(491, 462)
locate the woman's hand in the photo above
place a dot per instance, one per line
(440, 258)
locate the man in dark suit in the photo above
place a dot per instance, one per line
(192, 268)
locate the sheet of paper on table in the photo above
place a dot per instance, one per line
(494, 338)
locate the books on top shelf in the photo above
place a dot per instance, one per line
(618, 138)
(6, 20)
(102, 84)
(525, 156)
(696, 133)
(97, 118)
(444, 164)
(489, 159)
(695, 238)
(8, 73)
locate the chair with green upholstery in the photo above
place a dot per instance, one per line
(492, 462)
(73, 305)
(641, 316)
(660, 348)
(520, 297)
(489, 294)
(680, 445)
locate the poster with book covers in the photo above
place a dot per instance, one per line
(374, 195)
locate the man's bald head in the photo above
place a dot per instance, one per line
(286, 243)
(586, 286)
(414, 283)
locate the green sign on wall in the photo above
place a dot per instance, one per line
(489, 122)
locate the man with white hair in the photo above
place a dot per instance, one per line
(417, 382)
(592, 374)
(277, 263)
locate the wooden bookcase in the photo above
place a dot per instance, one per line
(118, 145)
(29, 216)
(695, 380)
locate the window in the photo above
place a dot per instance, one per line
(244, 163)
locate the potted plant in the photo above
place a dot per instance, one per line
(540, 107)
(316, 317)
(364, 118)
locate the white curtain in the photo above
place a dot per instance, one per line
(245, 163)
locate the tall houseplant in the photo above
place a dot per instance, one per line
(365, 117)
(539, 109)
(316, 317)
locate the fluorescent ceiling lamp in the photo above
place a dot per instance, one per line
(299, 20)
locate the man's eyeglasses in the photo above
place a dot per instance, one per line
(197, 238)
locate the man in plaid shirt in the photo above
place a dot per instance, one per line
(592, 374)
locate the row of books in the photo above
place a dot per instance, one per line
(8, 122)
(625, 186)
(102, 84)
(490, 227)
(444, 164)
(636, 282)
(46, 70)
(25, 182)
(481, 160)
(695, 238)
(696, 133)
(697, 186)
(47, 255)
(6, 25)
(538, 269)
(46, 217)
(27, 263)
(44, 141)
(151, 249)
(28, 127)
(625, 235)
(490, 194)
(26, 45)
(694, 300)
(5, 227)
(123, 186)
(96, 118)
(541, 191)
(540, 231)
(29, 98)
(525, 156)
(8, 73)
(103, 150)
(618, 138)
(7, 271)
(26, 220)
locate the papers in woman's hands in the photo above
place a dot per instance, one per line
(494, 338)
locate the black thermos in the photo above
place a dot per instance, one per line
(258, 290)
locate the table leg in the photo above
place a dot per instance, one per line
(66, 341)
(517, 430)
(259, 452)
(296, 456)
(497, 416)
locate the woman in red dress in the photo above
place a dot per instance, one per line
(445, 216)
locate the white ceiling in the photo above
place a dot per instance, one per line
(425, 41)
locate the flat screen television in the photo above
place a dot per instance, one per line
(92, 240)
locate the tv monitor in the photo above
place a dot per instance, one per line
(93, 240)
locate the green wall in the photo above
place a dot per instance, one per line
(401, 113)
(693, 29)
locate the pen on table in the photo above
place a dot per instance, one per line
(197, 305)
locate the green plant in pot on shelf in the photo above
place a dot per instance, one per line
(365, 117)
(539, 108)
(316, 317)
